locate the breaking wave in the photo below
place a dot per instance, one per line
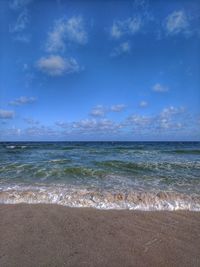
(100, 199)
(16, 147)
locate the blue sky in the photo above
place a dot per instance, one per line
(100, 70)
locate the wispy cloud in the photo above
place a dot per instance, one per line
(101, 111)
(143, 104)
(40, 131)
(31, 121)
(21, 22)
(23, 38)
(138, 121)
(10, 132)
(62, 124)
(118, 108)
(55, 65)
(159, 88)
(171, 118)
(22, 101)
(66, 30)
(167, 121)
(18, 4)
(177, 22)
(129, 26)
(18, 29)
(6, 114)
(98, 111)
(169, 111)
(123, 48)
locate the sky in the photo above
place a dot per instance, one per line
(100, 70)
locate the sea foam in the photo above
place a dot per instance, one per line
(100, 199)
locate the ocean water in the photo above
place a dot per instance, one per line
(104, 175)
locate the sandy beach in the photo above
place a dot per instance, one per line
(52, 235)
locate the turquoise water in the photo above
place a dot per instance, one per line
(134, 175)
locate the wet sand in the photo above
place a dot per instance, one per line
(51, 235)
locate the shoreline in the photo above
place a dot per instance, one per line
(83, 197)
(55, 235)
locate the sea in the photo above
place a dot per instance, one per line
(104, 175)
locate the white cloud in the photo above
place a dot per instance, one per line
(98, 111)
(177, 22)
(164, 123)
(66, 30)
(6, 114)
(22, 101)
(56, 65)
(168, 120)
(134, 25)
(118, 108)
(129, 26)
(143, 104)
(92, 125)
(116, 31)
(123, 48)
(138, 120)
(21, 22)
(160, 88)
(169, 111)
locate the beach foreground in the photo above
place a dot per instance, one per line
(52, 235)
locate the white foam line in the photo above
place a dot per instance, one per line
(74, 197)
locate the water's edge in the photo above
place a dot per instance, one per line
(89, 198)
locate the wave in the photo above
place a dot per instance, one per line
(69, 148)
(123, 165)
(58, 169)
(146, 166)
(16, 147)
(186, 151)
(83, 171)
(93, 198)
(59, 160)
(141, 147)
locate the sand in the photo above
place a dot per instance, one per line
(51, 235)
